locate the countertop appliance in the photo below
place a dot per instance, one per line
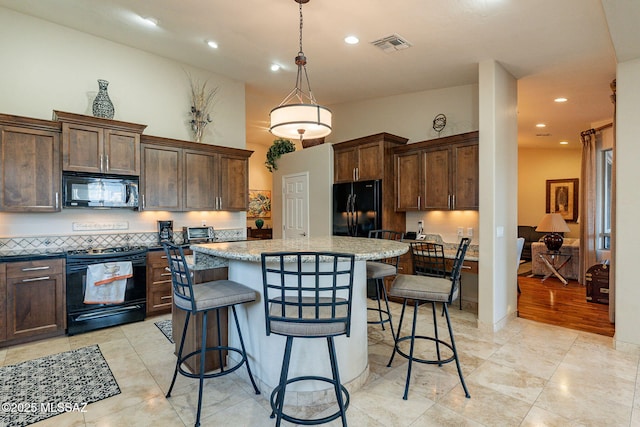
(198, 234)
(357, 208)
(83, 317)
(165, 231)
(82, 190)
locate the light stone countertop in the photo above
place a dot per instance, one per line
(363, 248)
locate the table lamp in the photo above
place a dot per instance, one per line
(553, 223)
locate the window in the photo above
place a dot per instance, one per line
(605, 205)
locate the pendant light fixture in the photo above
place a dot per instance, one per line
(299, 115)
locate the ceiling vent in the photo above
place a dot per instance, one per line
(391, 43)
(543, 134)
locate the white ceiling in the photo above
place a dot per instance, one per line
(553, 47)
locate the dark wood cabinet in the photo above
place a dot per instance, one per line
(369, 158)
(35, 305)
(361, 162)
(159, 288)
(29, 165)
(93, 144)
(185, 176)
(439, 174)
(234, 182)
(260, 233)
(161, 178)
(201, 171)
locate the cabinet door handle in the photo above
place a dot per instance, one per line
(163, 257)
(101, 163)
(36, 279)
(357, 174)
(107, 156)
(166, 297)
(165, 274)
(143, 203)
(453, 201)
(418, 202)
(44, 267)
(57, 201)
(449, 201)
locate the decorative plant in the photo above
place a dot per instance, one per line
(201, 100)
(280, 146)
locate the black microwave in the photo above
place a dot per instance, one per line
(81, 190)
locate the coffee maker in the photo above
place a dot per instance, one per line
(165, 231)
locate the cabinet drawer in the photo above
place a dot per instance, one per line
(160, 274)
(34, 269)
(160, 295)
(467, 266)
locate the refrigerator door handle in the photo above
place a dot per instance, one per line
(348, 211)
(354, 212)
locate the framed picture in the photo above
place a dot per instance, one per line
(562, 198)
(259, 204)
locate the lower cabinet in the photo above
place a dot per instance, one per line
(35, 305)
(159, 292)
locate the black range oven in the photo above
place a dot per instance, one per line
(83, 317)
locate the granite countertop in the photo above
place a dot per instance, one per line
(363, 248)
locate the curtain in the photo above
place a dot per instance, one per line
(587, 211)
(612, 276)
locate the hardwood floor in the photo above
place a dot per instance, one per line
(550, 302)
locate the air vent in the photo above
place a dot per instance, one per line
(543, 134)
(391, 43)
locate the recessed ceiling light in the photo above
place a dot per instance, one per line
(560, 100)
(149, 21)
(351, 40)
(212, 44)
(275, 67)
(564, 142)
(541, 125)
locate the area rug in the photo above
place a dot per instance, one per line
(65, 382)
(167, 329)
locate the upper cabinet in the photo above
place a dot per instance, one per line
(439, 174)
(97, 145)
(362, 159)
(186, 176)
(29, 165)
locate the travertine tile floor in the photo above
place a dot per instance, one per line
(528, 374)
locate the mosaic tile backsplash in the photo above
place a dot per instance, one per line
(49, 244)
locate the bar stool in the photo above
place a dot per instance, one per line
(428, 289)
(203, 298)
(378, 271)
(308, 295)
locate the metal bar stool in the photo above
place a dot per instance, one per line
(203, 298)
(428, 289)
(378, 271)
(308, 295)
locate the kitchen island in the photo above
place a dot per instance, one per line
(310, 357)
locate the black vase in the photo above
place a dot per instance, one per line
(102, 105)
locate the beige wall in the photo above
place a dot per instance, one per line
(627, 294)
(318, 163)
(535, 167)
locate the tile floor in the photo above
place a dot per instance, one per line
(528, 374)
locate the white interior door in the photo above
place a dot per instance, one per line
(295, 205)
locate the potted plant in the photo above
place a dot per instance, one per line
(280, 146)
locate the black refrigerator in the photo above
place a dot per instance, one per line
(357, 208)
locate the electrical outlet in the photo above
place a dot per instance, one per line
(470, 231)
(420, 226)
(460, 231)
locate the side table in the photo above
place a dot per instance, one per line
(554, 260)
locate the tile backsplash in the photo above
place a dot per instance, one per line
(85, 241)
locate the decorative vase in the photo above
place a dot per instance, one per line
(102, 105)
(259, 223)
